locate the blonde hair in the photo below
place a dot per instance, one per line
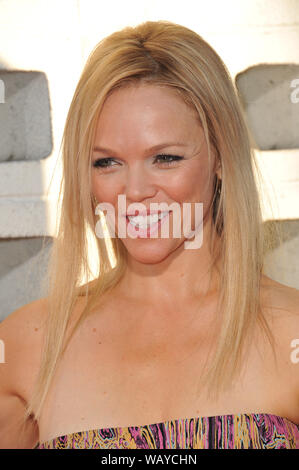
(165, 54)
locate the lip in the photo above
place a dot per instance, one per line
(143, 213)
(149, 231)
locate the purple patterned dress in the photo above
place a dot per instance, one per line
(237, 431)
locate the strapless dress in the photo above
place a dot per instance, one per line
(235, 431)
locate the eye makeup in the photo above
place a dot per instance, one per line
(161, 159)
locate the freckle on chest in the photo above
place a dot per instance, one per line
(94, 331)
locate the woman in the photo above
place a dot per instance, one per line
(173, 346)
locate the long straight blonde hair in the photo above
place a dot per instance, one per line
(165, 54)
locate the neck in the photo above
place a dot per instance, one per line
(181, 276)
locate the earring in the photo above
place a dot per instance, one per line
(217, 193)
(218, 186)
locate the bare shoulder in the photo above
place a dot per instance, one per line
(22, 324)
(281, 307)
(30, 312)
(21, 334)
(281, 300)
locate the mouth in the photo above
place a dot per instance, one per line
(146, 225)
(143, 222)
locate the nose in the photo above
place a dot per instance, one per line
(139, 183)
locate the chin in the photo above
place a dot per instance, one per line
(149, 253)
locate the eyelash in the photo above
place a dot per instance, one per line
(175, 158)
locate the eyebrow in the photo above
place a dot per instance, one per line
(150, 149)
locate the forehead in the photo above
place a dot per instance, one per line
(148, 109)
(147, 92)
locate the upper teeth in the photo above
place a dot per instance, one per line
(143, 221)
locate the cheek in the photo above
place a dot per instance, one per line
(105, 189)
(191, 185)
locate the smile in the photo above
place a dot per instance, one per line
(142, 226)
(144, 222)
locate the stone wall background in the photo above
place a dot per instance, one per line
(43, 49)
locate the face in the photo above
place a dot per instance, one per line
(150, 147)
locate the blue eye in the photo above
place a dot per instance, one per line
(164, 159)
(167, 159)
(102, 162)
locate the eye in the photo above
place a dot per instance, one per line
(162, 159)
(103, 163)
(166, 159)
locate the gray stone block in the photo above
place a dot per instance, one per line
(25, 217)
(2, 92)
(23, 266)
(270, 95)
(25, 121)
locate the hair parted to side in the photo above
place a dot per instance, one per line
(165, 54)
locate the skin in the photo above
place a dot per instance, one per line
(133, 120)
